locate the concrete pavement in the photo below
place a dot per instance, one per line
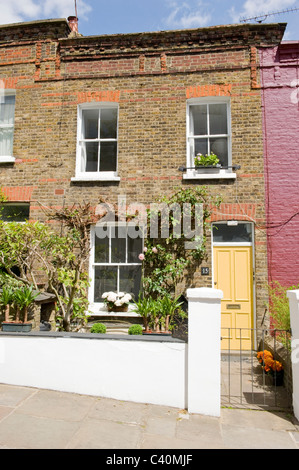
(42, 419)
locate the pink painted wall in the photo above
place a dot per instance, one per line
(280, 91)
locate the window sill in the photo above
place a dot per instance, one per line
(206, 174)
(7, 159)
(97, 177)
(101, 310)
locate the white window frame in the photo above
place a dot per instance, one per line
(216, 173)
(97, 175)
(8, 158)
(99, 307)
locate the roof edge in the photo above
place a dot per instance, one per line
(33, 23)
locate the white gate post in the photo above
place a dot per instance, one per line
(204, 351)
(293, 296)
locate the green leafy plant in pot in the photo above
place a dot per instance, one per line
(168, 308)
(22, 298)
(6, 300)
(145, 306)
(210, 160)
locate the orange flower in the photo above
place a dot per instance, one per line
(263, 355)
(277, 366)
(268, 364)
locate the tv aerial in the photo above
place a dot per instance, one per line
(260, 19)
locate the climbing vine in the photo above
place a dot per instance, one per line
(166, 259)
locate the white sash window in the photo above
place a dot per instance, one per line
(7, 117)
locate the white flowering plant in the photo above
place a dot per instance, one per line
(116, 300)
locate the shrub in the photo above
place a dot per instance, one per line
(98, 328)
(280, 311)
(135, 330)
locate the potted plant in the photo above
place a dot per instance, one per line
(271, 366)
(169, 307)
(6, 300)
(22, 299)
(207, 161)
(144, 306)
(117, 302)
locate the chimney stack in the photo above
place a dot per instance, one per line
(73, 24)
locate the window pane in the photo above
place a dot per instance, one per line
(118, 245)
(198, 120)
(101, 249)
(14, 212)
(218, 118)
(90, 124)
(134, 249)
(201, 146)
(105, 280)
(92, 151)
(7, 109)
(108, 156)
(219, 147)
(108, 123)
(130, 280)
(6, 142)
(223, 233)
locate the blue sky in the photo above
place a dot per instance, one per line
(98, 17)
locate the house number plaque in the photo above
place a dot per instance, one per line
(205, 271)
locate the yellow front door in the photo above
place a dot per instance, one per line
(233, 275)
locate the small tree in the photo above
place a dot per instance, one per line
(20, 245)
(40, 251)
(67, 274)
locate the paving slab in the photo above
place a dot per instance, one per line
(13, 396)
(103, 434)
(20, 431)
(57, 405)
(44, 419)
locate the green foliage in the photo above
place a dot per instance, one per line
(24, 296)
(9, 282)
(3, 198)
(135, 330)
(167, 258)
(22, 299)
(279, 309)
(98, 328)
(145, 307)
(169, 306)
(206, 160)
(158, 312)
(39, 251)
(6, 296)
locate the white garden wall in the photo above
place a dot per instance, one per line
(156, 370)
(139, 371)
(293, 297)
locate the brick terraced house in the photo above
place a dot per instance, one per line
(84, 118)
(280, 85)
